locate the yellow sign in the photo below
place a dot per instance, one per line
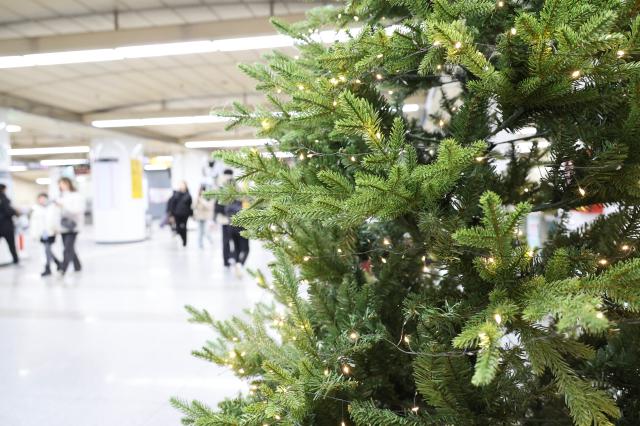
(136, 179)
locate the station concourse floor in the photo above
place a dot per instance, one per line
(110, 345)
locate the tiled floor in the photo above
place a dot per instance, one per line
(110, 345)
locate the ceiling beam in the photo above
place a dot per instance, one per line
(114, 12)
(140, 36)
(170, 105)
(56, 113)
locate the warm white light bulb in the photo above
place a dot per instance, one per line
(513, 31)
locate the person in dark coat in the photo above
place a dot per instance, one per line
(180, 210)
(7, 228)
(168, 220)
(232, 234)
(234, 245)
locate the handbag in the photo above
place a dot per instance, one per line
(68, 224)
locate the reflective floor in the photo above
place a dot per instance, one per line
(110, 345)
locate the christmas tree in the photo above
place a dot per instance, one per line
(406, 290)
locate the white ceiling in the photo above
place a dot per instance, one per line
(100, 86)
(189, 84)
(38, 18)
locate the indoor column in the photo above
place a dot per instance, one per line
(119, 201)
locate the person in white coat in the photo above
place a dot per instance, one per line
(43, 226)
(72, 207)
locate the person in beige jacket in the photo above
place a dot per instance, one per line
(203, 213)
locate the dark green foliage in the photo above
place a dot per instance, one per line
(424, 304)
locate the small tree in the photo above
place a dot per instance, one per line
(424, 305)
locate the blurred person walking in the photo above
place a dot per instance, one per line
(202, 213)
(168, 219)
(71, 205)
(180, 210)
(7, 227)
(44, 225)
(231, 233)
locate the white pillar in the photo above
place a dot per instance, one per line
(5, 175)
(5, 144)
(119, 205)
(190, 166)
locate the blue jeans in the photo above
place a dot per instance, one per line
(203, 233)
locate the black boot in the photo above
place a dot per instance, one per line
(46, 273)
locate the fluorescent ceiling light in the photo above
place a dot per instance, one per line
(278, 154)
(159, 121)
(11, 128)
(64, 162)
(166, 49)
(17, 168)
(410, 107)
(81, 149)
(250, 43)
(154, 167)
(237, 143)
(43, 181)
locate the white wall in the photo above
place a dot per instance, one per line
(25, 192)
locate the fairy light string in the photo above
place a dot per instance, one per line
(497, 317)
